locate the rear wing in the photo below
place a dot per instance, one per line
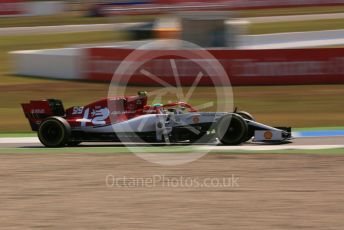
(37, 111)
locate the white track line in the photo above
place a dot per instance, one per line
(19, 140)
(250, 147)
(271, 147)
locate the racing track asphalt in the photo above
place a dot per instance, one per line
(297, 143)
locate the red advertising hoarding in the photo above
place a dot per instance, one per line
(243, 67)
(166, 6)
(11, 7)
(247, 4)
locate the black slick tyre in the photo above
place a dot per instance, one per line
(231, 129)
(54, 132)
(247, 116)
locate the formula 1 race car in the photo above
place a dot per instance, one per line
(130, 119)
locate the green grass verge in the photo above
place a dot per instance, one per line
(31, 134)
(70, 18)
(297, 26)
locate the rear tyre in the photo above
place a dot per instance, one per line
(54, 132)
(231, 129)
(247, 116)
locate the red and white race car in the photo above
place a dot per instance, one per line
(130, 119)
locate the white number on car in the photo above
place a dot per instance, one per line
(77, 110)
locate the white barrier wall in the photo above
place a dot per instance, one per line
(71, 63)
(292, 40)
(53, 63)
(15, 8)
(44, 8)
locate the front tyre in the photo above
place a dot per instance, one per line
(246, 115)
(231, 129)
(249, 117)
(54, 132)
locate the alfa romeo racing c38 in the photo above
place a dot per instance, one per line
(131, 119)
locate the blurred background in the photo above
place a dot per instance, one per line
(284, 58)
